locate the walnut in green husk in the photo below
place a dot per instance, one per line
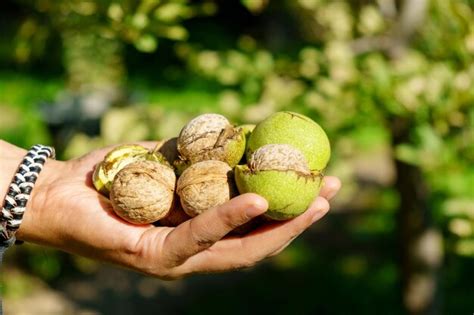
(117, 159)
(211, 137)
(296, 130)
(280, 174)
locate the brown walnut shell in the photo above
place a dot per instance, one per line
(205, 185)
(211, 137)
(278, 157)
(142, 192)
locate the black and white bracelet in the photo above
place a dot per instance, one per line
(19, 191)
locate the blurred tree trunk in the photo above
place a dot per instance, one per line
(420, 246)
(419, 243)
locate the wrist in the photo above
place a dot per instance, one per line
(35, 225)
(11, 157)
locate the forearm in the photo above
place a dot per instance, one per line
(10, 158)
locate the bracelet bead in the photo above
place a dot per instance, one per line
(19, 191)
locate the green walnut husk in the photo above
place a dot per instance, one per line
(210, 137)
(297, 130)
(117, 159)
(247, 130)
(280, 174)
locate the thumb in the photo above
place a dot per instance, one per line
(201, 232)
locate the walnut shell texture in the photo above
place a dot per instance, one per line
(205, 185)
(142, 192)
(282, 157)
(211, 137)
(118, 158)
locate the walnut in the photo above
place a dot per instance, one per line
(205, 185)
(142, 192)
(211, 137)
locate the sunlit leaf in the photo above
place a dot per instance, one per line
(146, 43)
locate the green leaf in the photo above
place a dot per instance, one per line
(146, 43)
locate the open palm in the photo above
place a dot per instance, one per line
(69, 214)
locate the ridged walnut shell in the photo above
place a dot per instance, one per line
(281, 157)
(142, 192)
(211, 137)
(117, 159)
(280, 174)
(205, 185)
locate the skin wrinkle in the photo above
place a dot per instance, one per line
(145, 245)
(197, 244)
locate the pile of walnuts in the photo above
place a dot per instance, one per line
(211, 161)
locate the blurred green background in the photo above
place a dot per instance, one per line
(391, 81)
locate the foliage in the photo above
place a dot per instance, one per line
(364, 70)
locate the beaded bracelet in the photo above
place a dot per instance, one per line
(19, 191)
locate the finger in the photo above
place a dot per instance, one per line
(278, 251)
(241, 252)
(330, 187)
(316, 218)
(199, 233)
(276, 235)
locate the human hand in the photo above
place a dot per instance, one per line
(66, 212)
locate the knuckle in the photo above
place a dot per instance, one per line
(232, 219)
(308, 221)
(297, 229)
(200, 238)
(137, 248)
